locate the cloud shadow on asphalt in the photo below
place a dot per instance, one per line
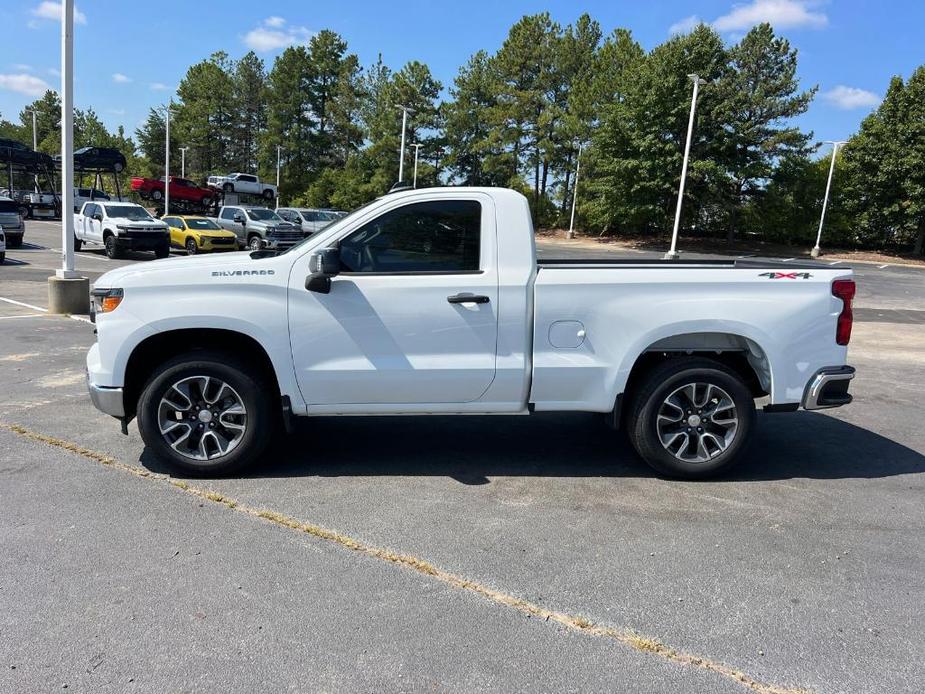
(472, 449)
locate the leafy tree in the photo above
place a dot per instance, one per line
(755, 97)
(638, 149)
(885, 163)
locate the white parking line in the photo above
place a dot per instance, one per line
(837, 262)
(880, 267)
(43, 310)
(787, 260)
(28, 315)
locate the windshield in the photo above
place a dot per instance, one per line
(8, 206)
(136, 213)
(202, 224)
(343, 218)
(262, 215)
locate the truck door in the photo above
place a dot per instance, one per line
(411, 318)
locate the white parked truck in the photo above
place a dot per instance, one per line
(242, 183)
(120, 226)
(432, 301)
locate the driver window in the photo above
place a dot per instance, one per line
(437, 236)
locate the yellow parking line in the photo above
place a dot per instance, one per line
(625, 636)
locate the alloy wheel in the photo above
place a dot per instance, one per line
(202, 418)
(697, 422)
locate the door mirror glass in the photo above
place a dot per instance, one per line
(98, 216)
(238, 218)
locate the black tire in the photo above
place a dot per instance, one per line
(651, 396)
(162, 251)
(14, 241)
(78, 244)
(2, 257)
(205, 201)
(268, 194)
(254, 242)
(156, 195)
(190, 246)
(112, 248)
(260, 422)
(228, 187)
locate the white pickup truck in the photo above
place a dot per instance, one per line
(242, 183)
(120, 226)
(433, 302)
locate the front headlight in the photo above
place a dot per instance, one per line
(107, 300)
(121, 227)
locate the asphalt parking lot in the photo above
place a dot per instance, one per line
(459, 554)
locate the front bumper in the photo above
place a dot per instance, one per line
(139, 242)
(208, 244)
(828, 388)
(106, 400)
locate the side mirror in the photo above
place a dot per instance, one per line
(98, 217)
(238, 218)
(323, 265)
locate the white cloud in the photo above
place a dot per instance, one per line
(684, 26)
(274, 34)
(850, 98)
(54, 72)
(781, 14)
(22, 67)
(52, 10)
(158, 86)
(30, 85)
(119, 78)
(117, 111)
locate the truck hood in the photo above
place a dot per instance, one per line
(188, 270)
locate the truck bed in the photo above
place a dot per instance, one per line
(735, 263)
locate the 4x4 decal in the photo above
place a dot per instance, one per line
(786, 275)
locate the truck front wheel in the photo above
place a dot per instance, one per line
(691, 418)
(77, 244)
(205, 413)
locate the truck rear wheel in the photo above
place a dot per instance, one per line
(691, 418)
(77, 244)
(156, 194)
(206, 413)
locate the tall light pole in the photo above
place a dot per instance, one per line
(167, 158)
(825, 201)
(279, 149)
(35, 146)
(571, 224)
(183, 161)
(68, 292)
(673, 253)
(404, 126)
(417, 149)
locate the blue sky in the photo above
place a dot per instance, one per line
(130, 56)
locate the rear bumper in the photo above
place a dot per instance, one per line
(828, 388)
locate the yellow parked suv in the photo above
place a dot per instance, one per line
(199, 235)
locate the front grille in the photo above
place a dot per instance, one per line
(286, 237)
(223, 241)
(143, 233)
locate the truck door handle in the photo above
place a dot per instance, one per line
(468, 299)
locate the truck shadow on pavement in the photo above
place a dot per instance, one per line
(472, 449)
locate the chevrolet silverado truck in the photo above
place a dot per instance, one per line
(242, 183)
(258, 227)
(432, 301)
(120, 226)
(180, 189)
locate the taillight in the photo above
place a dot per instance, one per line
(844, 290)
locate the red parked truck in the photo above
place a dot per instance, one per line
(180, 189)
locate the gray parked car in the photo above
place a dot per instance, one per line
(311, 220)
(11, 221)
(259, 227)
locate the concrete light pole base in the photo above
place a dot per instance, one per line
(68, 295)
(671, 255)
(816, 252)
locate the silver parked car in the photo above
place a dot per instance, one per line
(258, 227)
(311, 219)
(11, 222)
